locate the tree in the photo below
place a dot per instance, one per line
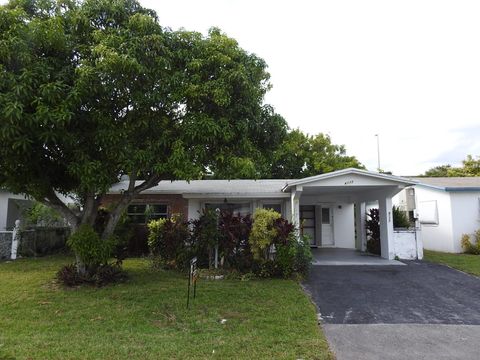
(470, 167)
(93, 90)
(302, 155)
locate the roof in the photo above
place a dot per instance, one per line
(350, 171)
(451, 183)
(212, 188)
(266, 188)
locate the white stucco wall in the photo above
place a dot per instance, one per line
(465, 215)
(344, 226)
(4, 196)
(439, 236)
(407, 244)
(194, 209)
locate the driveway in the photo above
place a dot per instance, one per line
(421, 311)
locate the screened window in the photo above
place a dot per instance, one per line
(325, 215)
(235, 208)
(275, 207)
(142, 213)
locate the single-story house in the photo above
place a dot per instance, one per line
(446, 208)
(329, 208)
(11, 207)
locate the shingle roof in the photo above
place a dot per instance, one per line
(230, 187)
(451, 183)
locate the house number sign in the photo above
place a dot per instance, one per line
(348, 182)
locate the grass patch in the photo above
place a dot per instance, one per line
(146, 318)
(464, 262)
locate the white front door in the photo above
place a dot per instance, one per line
(327, 226)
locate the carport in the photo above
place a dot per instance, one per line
(331, 208)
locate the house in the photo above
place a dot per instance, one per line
(11, 207)
(446, 207)
(329, 208)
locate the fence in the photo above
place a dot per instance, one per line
(408, 243)
(35, 242)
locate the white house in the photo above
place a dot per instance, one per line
(11, 206)
(330, 208)
(446, 207)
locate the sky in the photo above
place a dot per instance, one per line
(406, 70)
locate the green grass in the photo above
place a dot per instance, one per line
(464, 262)
(146, 317)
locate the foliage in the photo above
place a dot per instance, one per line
(42, 215)
(145, 318)
(400, 219)
(303, 155)
(470, 167)
(167, 240)
(96, 89)
(234, 231)
(373, 231)
(469, 247)
(90, 248)
(104, 275)
(205, 235)
(264, 233)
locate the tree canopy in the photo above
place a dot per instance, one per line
(470, 167)
(302, 155)
(93, 90)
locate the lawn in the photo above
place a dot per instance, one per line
(146, 317)
(464, 262)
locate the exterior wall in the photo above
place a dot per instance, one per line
(407, 244)
(4, 209)
(465, 215)
(344, 226)
(439, 236)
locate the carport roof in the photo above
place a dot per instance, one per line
(350, 171)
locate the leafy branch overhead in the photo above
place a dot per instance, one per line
(92, 90)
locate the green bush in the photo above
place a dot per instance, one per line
(87, 245)
(263, 233)
(400, 219)
(469, 247)
(205, 235)
(373, 232)
(168, 242)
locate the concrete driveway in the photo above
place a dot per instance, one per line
(420, 311)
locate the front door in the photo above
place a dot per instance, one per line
(327, 228)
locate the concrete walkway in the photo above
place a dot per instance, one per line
(338, 256)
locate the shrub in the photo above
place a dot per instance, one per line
(263, 233)
(205, 235)
(91, 250)
(373, 232)
(234, 247)
(168, 242)
(105, 274)
(467, 245)
(400, 219)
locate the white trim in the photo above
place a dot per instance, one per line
(236, 196)
(349, 171)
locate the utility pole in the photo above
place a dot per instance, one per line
(378, 152)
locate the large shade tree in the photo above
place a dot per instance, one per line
(97, 89)
(302, 155)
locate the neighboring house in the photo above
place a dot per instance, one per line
(11, 208)
(329, 208)
(446, 208)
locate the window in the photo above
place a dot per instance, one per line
(142, 213)
(235, 208)
(325, 215)
(275, 207)
(428, 212)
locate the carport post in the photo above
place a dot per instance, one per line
(386, 227)
(295, 204)
(360, 236)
